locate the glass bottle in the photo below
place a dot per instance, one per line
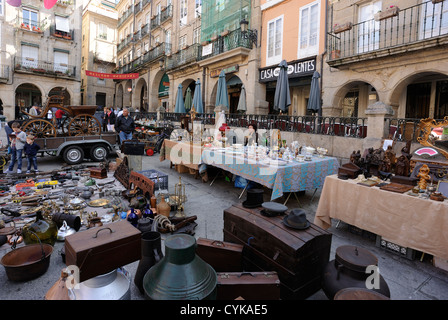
(45, 229)
(132, 217)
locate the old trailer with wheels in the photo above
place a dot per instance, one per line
(74, 149)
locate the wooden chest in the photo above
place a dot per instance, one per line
(221, 255)
(248, 285)
(298, 256)
(102, 249)
(97, 172)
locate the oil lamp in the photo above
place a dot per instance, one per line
(180, 198)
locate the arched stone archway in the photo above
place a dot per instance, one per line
(60, 91)
(27, 95)
(140, 95)
(353, 98)
(234, 84)
(420, 94)
(154, 100)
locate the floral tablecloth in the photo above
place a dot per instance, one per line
(291, 177)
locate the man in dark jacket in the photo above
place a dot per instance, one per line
(125, 126)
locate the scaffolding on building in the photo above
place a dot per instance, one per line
(218, 16)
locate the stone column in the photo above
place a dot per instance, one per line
(376, 113)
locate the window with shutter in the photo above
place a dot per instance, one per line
(60, 61)
(30, 56)
(309, 30)
(274, 43)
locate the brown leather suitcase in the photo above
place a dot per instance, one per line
(102, 249)
(248, 285)
(221, 255)
(298, 256)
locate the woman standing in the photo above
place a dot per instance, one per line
(110, 119)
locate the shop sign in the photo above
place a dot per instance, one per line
(298, 68)
(164, 86)
(215, 73)
(120, 76)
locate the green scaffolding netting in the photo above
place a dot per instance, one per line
(220, 15)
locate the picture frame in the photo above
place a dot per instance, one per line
(442, 187)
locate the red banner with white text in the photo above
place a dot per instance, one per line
(112, 75)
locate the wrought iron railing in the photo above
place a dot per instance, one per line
(410, 25)
(125, 16)
(43, 67)
(403, 129)
(221, 44)
(148, 57)
(183, 57)
(332, 126)
(166, 14)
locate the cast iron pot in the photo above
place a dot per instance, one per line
(28, 262)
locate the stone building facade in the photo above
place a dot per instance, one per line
(40, 54)
(394, 52)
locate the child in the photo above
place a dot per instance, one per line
(18, 140)
(31, 149)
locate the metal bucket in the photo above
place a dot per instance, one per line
(114, 285)
(28, 262)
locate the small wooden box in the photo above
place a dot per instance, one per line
(100, 250)
(98, 173)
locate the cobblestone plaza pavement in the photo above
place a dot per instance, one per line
(407, 279)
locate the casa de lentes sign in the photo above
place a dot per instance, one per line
(297, 68)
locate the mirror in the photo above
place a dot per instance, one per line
(429, 135)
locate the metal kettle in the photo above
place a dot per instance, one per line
(64, 231)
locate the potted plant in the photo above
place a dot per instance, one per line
(335, 54)
(436, 1)
(390, 12)
(338, 28)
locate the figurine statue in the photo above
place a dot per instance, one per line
(402, 166)
(424, 176)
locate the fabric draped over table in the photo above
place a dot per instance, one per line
(290, 178)
(406, 220)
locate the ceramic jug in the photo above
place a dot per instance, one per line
(163, 208)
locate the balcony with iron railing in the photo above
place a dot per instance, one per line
(148, 57)
(166, 13)
(128, 13)
(44, 68)
(234, 39)
(61, 34)
(145, 2)
(391, 32)
(183, 57)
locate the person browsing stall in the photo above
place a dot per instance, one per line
(18, 140)
(31, 148)
(125, 126)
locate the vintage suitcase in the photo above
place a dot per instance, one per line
(248, 285)
(221, 255)
(102, 249)
(133, 147)
(98, 173)
(298, 256)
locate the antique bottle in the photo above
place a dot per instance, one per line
(147, 212)
(132, 217)
(153, 201)
(151, 254)
(163, 208)
(45, 229)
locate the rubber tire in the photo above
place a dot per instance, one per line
(73, 155)
(98, 148)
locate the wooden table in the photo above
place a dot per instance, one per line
(406, 220)
(292, 177)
